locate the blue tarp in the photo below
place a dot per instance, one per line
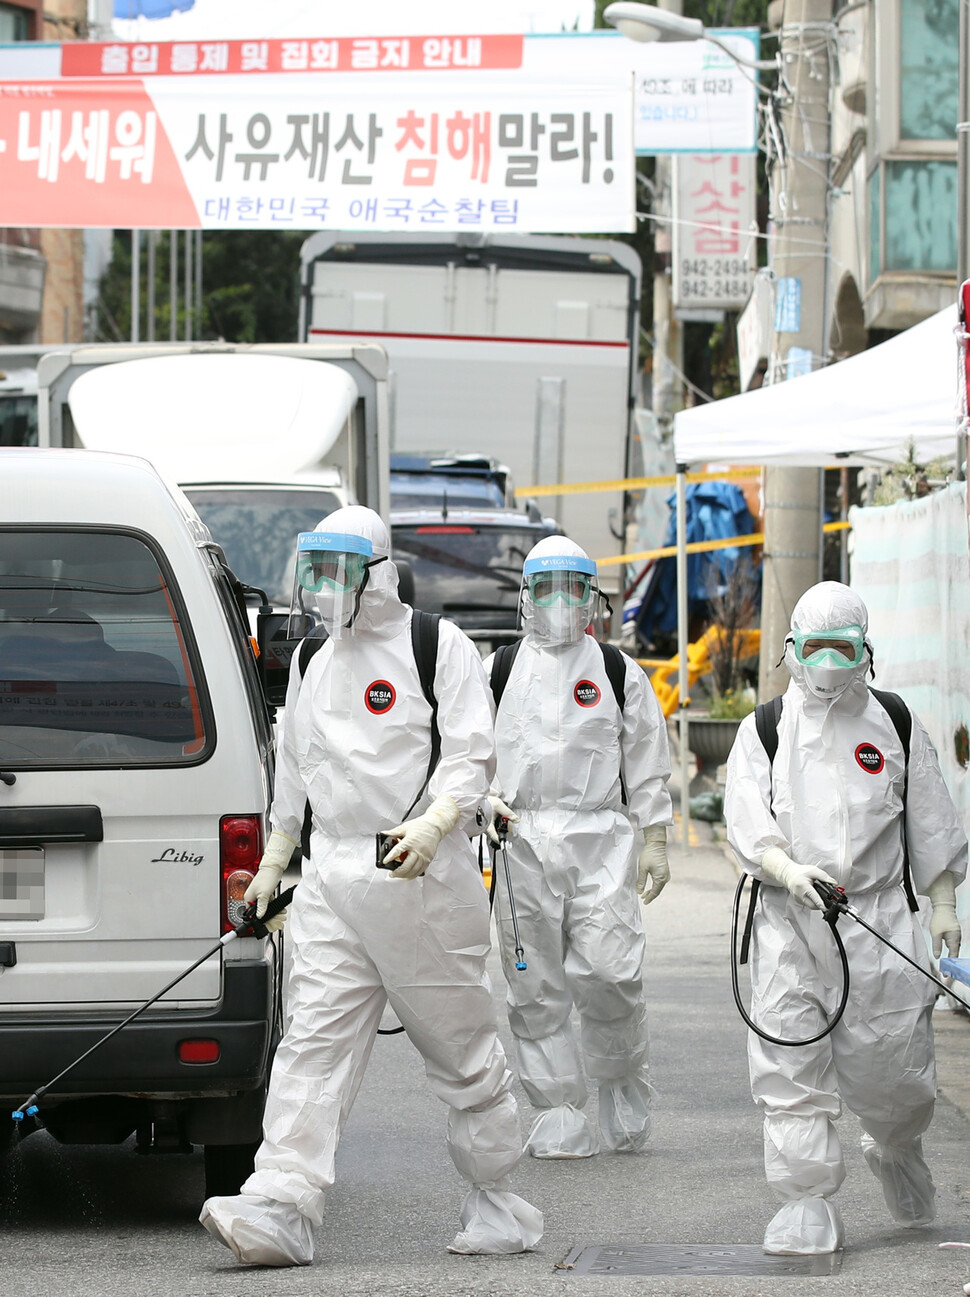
(715, 510)
(150, 8)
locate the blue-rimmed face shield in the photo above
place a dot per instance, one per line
(560, 596)
(332, 567)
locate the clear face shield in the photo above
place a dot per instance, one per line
(331, 575)
(560, 597)
(830, 659)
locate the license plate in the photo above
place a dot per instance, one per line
(21, 883)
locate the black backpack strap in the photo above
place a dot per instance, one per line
(749, 921)
(424, 642)
(902, 720)
(614, 660)
(502, 668)
(766, 718)
(308, 646)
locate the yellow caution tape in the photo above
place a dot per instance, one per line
(635, 483)
(700, 546)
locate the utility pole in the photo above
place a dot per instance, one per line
(668, 342)
(799, 182)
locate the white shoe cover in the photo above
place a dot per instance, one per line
(625, 1114)
(495, 1221)
(561, 1133)
(907, 1183)
(259, 1231)
(808, 1226)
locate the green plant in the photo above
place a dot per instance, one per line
(734, 607)
(733, 705)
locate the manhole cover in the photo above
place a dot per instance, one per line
(691, 1258)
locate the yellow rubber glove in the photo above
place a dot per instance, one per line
(797, 878)
(944, 924)
(652, 863)
(272, 866)
(420, 838)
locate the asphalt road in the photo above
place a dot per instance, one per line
(106, 1222)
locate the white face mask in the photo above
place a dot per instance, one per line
(558, 624)
(829, 679)
(336, 608)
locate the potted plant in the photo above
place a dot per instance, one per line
(730, 644)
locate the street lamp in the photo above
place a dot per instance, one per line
(643, 22)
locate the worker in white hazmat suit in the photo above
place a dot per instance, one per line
(414, 935)
(830, 807)
(585, 786)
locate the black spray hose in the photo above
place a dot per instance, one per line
(853, 913)
(503, 833)
(250, 927)
(835, 905)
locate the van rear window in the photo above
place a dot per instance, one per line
(94, 663)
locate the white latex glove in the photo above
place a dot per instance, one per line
(652, 863)
(272, 866)
(797, 878)
(499, 811)
(420, 838)
(944, 924)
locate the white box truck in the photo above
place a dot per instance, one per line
(265, 440)
(521, 348)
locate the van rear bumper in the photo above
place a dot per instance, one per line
(143, 1058)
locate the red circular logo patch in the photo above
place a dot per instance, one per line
(870, 758)
(586, 693)
(379, 697)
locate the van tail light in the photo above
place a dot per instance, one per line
(240, 851)
(199, 1051)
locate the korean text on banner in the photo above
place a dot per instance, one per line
(234, 152)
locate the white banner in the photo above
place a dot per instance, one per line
(233, 152)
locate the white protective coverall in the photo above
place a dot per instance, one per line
(362, 939)
(833, 800)
(573, 863)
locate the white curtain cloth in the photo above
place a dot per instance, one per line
(910, 562)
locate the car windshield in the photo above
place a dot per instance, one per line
(430, 490)
(258, 526)
(95, 663)
(472, 574)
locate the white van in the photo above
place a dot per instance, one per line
(135, 783)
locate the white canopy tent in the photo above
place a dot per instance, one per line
(862, 411)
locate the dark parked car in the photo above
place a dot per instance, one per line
(449, 481)
(467, 564)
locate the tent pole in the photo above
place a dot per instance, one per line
(683, 689)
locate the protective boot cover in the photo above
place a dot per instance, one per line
(805, 1227)
(625, 1112)
(493, 1220)
(259, 1231)
(907, 1184)
(562, 1132)
(565, 757)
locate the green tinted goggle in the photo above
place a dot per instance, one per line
(570, 588)
(844, 646)
(317, 570)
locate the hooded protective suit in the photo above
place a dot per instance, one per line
(564, 756)
(832, 805)
(356, 744)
